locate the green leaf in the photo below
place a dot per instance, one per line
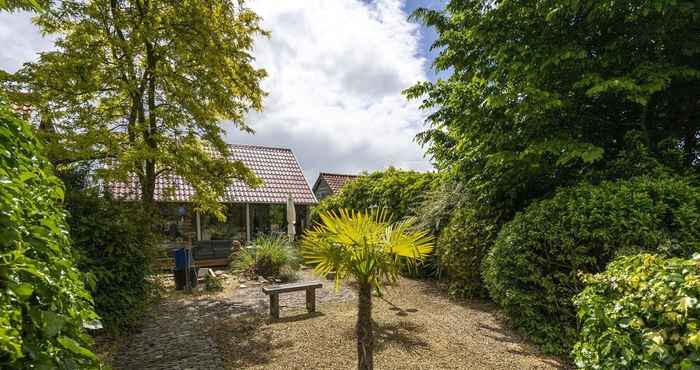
(54, 323)
(695, 340)
(23, 290)
(75, 347)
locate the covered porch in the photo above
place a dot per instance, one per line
(212, 240)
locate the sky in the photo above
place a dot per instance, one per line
(336, 69)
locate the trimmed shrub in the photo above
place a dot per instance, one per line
(44, 305)
(117, 251)
(641, 313)
(400, 192)
(265, 256)
(462, 245)
(532, 269)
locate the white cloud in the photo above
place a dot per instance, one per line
(336, 71)
(20, 40)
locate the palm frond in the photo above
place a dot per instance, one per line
(363, 245)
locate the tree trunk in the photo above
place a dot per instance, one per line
(363, 329)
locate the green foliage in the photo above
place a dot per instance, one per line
(364, 246)
(546, 94)
(43, 303)
(541, 96)
(641, 313)
(438, 204)
(399, 191)
(243, 262)
(266, 256)
(213, 283)
(532, 269)
(31, 5)
(116, 249)
(144, 86)
(288, 274)
(462, 245)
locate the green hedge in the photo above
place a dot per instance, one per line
(399, 191)
(116, 250)
(43, 303)
(532, 269)
(462, 245)
(641, 313)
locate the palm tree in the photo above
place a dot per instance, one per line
(368, 248)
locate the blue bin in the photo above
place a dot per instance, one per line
(181, 259)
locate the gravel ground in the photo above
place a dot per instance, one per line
(417, 327)
(176, 332)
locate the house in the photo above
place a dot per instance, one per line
(249, 211)
(330, 183)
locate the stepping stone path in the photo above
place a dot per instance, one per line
(177, 337)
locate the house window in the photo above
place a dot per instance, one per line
(178, 222)
(231, 229)
(259, 219)
(278, 218)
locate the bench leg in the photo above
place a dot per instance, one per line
(311, 300)
(275, 306)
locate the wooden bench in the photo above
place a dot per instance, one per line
(275, 290)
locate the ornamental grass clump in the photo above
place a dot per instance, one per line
(641, 313)
(266, 256)
(368, 248)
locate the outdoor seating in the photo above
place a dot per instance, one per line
(275, 290)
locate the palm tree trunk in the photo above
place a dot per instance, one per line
(363, 329)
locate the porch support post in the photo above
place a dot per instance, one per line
(247, 222)
(199, 228)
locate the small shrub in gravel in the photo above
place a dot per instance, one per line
(212, 283)
(288, 274)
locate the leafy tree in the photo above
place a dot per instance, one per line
(44, 305)
(364, 246)
(140, 87)
(544, 94)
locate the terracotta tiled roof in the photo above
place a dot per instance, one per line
(335, 181)
(276, 167)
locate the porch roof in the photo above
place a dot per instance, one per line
(276, 167)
